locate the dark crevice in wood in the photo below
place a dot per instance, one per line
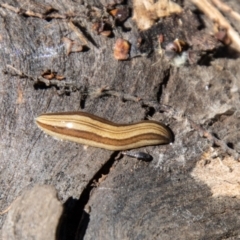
(73, 213)
(163, 83)
(85, 195)
(230, 145)
(86, 34)
(74, 220)
(150, 111)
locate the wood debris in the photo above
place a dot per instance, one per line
(72, 46)
(147, 12)
(121, 49)
(43, 11)
(219, 21)
(225, 8)
(49, 75)
(80, 35)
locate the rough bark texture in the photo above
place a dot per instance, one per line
(173, 197)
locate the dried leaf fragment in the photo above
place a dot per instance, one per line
(49, 75)
(121, 49)
(72, 46)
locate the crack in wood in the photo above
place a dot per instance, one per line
(76, 214)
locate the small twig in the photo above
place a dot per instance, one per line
(62, 86)
(225, 8)
(11, 8)
(16, 71)
(6, 209)
(100, 92)
(207, 8)
(31, 13)
(66, 87)
(82, 38)
(22, 11)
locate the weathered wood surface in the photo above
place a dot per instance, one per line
(172, 197)
(30, 212)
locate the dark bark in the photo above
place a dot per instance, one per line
(167, 198)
